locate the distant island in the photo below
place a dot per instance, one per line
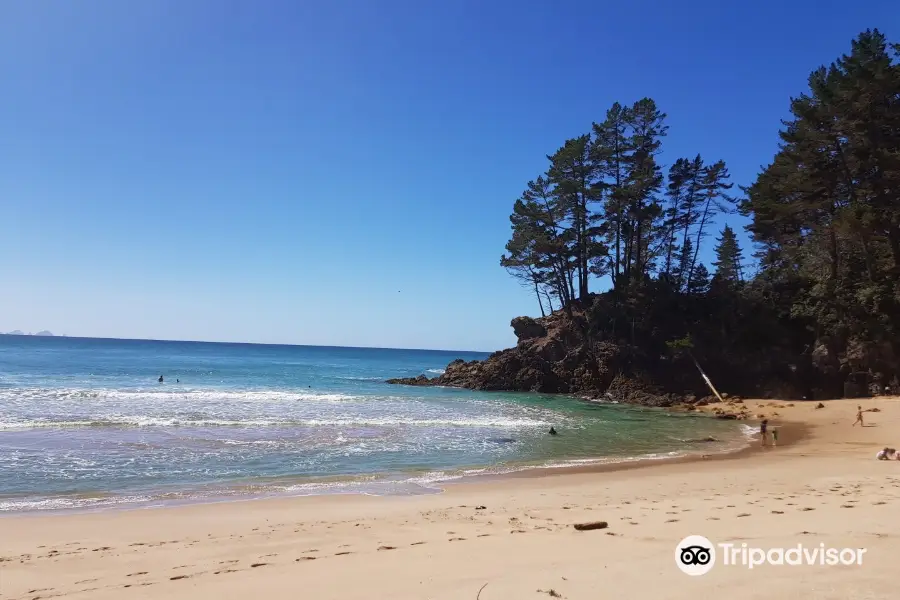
(817, 314)
(43, 333)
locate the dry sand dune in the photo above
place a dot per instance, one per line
(507, 539)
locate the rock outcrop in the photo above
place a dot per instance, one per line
(554, 354)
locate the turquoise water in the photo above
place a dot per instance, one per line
(84, 423)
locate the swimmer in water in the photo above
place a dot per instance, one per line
(552, 430)
(160, 379)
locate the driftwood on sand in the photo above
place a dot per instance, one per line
(590, 526)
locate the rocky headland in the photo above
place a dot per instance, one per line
(569, 352)
(557, 355)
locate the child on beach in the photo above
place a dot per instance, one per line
(774, 436)
(886, 454)
(859, 417)
(762, 431)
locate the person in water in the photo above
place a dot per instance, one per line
(160, 379)
(552, 430)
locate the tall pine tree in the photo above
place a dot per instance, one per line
(728, 257)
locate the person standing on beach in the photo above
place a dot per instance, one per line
(762, 431)
(859, 417)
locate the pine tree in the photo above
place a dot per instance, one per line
(699, 281)
(611, 152)
(728, 257)
(573, 175)
(684, 265)
(825, 212)
(682, 190)
(713, 185)
(643, 182)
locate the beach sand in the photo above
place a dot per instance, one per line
(509, 538)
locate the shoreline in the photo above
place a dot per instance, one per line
(459, 476)
(507, 536)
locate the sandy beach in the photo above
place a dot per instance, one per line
(511, 538)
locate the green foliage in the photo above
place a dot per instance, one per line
(825, 219)
(728, 257)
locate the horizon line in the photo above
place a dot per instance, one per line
(125, 339)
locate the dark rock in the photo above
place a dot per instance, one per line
(420, 380)
(820, 405)
(563, 353)
(527, 328)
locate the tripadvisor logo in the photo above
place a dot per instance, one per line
(696, 555)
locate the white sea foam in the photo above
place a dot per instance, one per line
(184, 395)
(438, 371)
(150, 421)
(748, 431)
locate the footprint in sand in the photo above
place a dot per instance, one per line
(177, 577)
(744, 515)
(807, 508)
(417, 543)
(672, 521)
(847, 506)
(387, 548)
(304, 558)
(457, 539)
(137, 574)
(342, 553)
(254, 565)
(777, 512)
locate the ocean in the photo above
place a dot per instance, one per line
(84, 424)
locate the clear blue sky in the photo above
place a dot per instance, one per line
(342, 172)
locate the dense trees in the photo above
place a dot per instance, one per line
(599, 210)
(824, 215)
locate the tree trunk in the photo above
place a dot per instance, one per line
(549, 301)
(697, 246)
(537, 292)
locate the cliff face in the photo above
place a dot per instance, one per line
(554, 354)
